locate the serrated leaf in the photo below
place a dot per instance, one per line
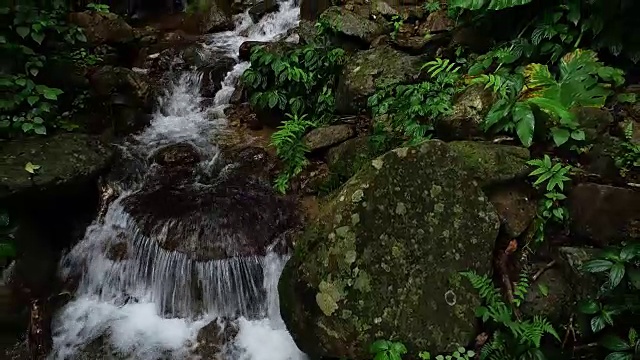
(614, 343)
(616, 274)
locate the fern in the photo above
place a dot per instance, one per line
(523, 336)
(290, 148)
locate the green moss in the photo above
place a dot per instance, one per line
(492, 163)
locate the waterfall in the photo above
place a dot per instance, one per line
(146, 300)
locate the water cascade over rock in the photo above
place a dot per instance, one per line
(185, 261)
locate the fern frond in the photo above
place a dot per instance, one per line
(520, 289)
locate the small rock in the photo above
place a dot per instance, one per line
(348, 157)
(379, 7)
(551, 296)
(213, 337)
(515, 208)
(604, 215)
(257, 11)
(327, 136)
(182, 154)
(438, 21)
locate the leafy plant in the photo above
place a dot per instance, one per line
(534, 90)
(101, 8)
(617, 297)
(387, 350)
(299, 82)
(551, 177)
(412, 110)
(627, 157)
(513, 338)
(397, 22)
(27, 35)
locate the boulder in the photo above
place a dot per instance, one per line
(235, 213)
(213, 75)
(368, 70)
(213, 338)
(66, 161)
(353, 25)
(438, 21)
(515, 206)
(593, 121)
(493, 164)
(469, 110)
(208, 16)
(551, 296)
(358, 273)
(103, 28)
(181, 154)
(257, 11)
(310, 10)
(327, 136)
(604, 215)
(122, 86)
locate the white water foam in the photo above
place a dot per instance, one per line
(129, 313)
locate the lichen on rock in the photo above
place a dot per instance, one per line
(390, 273)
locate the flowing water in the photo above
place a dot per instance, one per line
(143, 305)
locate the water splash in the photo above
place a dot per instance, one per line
(148, 303)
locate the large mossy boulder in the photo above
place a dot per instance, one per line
(383, 259)
(369, 70)
(493, 164)
(66, 162)
(102, 27)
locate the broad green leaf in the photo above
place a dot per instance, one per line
(34, 71)
(617, 274)
(33, 99)
(26, 127)
(588, 307)
(23, 31)
(578, 135)
(40, 129)
(398, 348)
(614, 343)
(560, 135)
(597, 323)
(619, 356)
(525, 122)
(379, 346)
(552, 107)
(544, 289)
(37, 37)
(597, 265)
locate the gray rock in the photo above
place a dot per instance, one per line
(326, 136)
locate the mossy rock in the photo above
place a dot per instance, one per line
(354, 25)
(347, 158)
(369, 70)
(384, 256)
(492, 164)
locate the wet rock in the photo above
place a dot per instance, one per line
(103, 28)
(570, 261)
(493, 164)
(326, 136)
(312, 179)
(515, 206)
(231, 211)
(379, 7)
(257, 11)
(357, 273)
(367, 70)
(469, 110)
(67, 161)
(242, 114)
(551, 296)
(213, 337)
(182, 154)
(352, 25)
(214, 74)
(604, 215)
(239, 94)
(311, 9)
(123, 86)
(208, 17)
(349, 157)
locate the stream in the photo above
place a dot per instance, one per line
(152, 302)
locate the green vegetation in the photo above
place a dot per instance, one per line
(300, 83)
(32, 35)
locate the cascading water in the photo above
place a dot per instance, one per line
(148, 300)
